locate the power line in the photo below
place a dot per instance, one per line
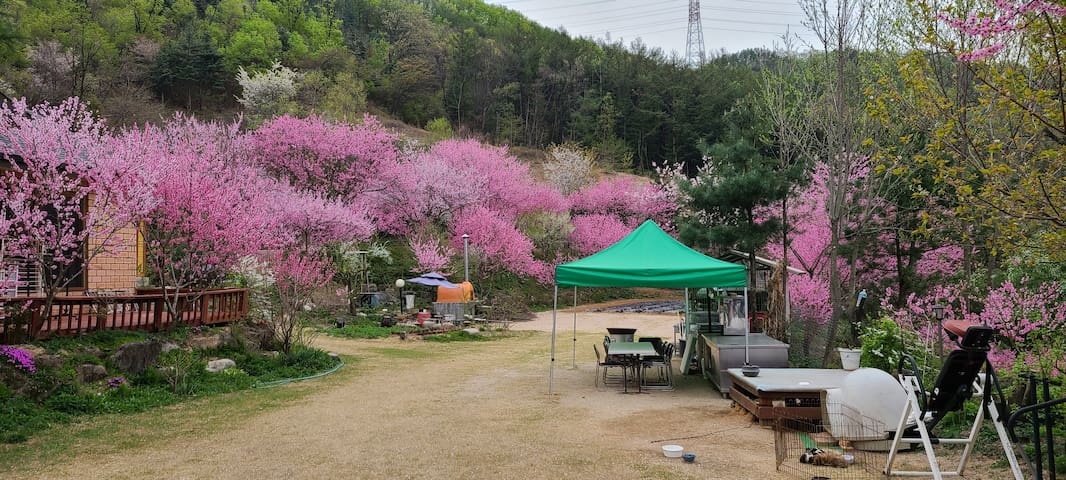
(596, 2)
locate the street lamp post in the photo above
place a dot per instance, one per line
(403, 300)
(938, 313)
(466, 257)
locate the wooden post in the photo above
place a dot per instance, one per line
(35, 323)
(244, 304)
(157, 313)
(101, 314)
(205, 299)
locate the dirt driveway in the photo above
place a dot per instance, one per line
(473, 410)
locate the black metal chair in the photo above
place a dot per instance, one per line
(966, 374)
(663, 366)
(603, 364)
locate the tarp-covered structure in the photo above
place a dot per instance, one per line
(647, 257)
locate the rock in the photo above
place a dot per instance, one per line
(48, 361)
(250, 336)
(219, 365)
(134, 358)
(205, 342)
(88, 373)
(472, 331)
(270, 354)
(33, 350)
(168, 346)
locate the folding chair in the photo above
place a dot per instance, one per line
(603, 363)
(961, 378)
(664, 366)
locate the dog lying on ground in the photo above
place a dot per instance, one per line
(828, 458)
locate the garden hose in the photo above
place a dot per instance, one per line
(284, 381)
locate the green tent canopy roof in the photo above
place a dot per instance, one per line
(648, 257)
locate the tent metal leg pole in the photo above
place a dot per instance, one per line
(555, 310)
(574, 356)
(747, 326)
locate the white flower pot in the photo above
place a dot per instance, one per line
(849, 358)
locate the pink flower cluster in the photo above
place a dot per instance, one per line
(1010, 16)
(18, 357)
(1029, 321)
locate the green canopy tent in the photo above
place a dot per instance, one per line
(647, 257)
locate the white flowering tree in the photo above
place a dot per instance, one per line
(268, 93)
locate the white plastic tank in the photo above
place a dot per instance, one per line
(867, 405)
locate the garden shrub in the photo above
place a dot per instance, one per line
(884, 343)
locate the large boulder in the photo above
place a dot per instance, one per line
(205, 341)
(89, 372)
(49, 361)
(134, 358)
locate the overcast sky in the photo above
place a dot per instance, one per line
(732, 25)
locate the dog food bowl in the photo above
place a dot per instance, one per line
(689, 457)
(673, 451)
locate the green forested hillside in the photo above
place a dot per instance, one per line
(485, 69)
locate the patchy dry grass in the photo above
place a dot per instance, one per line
(415, 409)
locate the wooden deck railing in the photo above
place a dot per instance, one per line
(147, 310)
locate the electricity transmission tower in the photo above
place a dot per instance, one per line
(694, 53)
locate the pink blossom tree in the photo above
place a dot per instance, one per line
(609, 209)
(334, 160)
(307, 225)
(59, 188)
(211, 208)
(459, 187)
(1029, 318)
(430, 255)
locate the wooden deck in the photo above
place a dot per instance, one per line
(72, 315)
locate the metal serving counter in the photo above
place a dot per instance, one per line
(719, 353)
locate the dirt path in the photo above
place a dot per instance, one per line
(455, 411)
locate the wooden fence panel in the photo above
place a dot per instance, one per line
(72, 315)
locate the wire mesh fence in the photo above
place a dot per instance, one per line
(843, 445)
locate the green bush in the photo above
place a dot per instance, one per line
(884, 343)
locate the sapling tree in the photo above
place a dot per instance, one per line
(59, 188)
(307, 226)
